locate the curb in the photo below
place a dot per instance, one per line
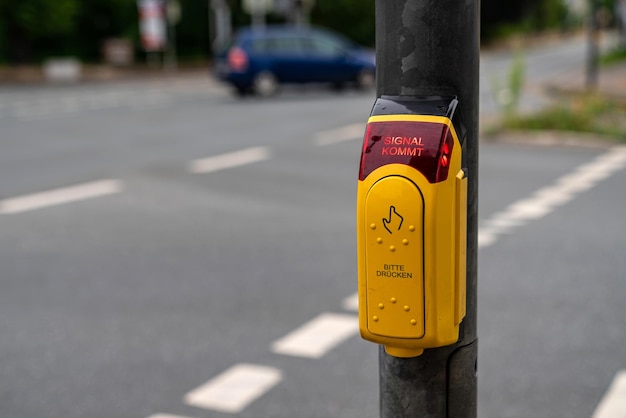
(553, 139)
(35, 75)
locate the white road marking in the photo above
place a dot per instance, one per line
(60, 196)
(230, 160)
(351, 303)
(545, 200)
(342, 134)
(233, 390)
(613, 405)
(318, 336)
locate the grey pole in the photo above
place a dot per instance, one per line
(591, 78)
(423, 48)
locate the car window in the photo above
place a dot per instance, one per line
(324, 46)
(261, 45)
(291, 46)
(278, 45)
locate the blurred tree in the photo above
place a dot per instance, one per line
(26, 22)
(34, 29)
(620, 12)
(503, 18)
(98, 20)
(547, 14)
(353, 18)
(192, 32)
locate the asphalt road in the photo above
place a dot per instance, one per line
(206, 230)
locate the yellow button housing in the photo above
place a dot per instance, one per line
(394, 250)
(411, 235)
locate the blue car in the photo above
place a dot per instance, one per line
(259, 60)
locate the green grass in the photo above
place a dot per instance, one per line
(588, 113)
(614, 56)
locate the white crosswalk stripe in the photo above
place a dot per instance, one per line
(613, 405)
(233, 390)
(318, 336)
(60, 196)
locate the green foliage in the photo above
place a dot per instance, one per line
(98, 20)
(516, 79)
(499, 18)
(353, 18)
(507, 95)
(31, 30)
(27, 22)
(590, 113)
(615, 55)
(548, 14)
(192, 32)
(40, 18)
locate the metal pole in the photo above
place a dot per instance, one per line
(431, 47)
(173, 16)
(620, 11)
(221, 32)
(591, 79)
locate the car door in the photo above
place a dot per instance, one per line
(327, 59)
(288, 58)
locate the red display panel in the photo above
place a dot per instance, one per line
(425, 146)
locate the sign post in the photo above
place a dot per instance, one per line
(593, 35)
(173, 17)
(258, 9)
(152, 28)
(152, 24)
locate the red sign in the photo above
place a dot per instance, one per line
(152, 24)
(425, 146)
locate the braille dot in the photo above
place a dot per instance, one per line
(375, 318)
(407, 308)
(411, 228)
(394, 300)
(373, 226)
(381, 306)
(379, 240)
(405, 242)
(392, 248)
(413, 322)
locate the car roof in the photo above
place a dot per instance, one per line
(249, 32)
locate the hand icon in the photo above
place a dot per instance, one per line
(394, 217)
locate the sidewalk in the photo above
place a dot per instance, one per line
(32, 74)
(611, 82)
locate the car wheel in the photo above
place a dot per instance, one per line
(366, 80)
(265, 84)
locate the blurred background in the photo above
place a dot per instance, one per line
(33, 31)
(177, 245)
